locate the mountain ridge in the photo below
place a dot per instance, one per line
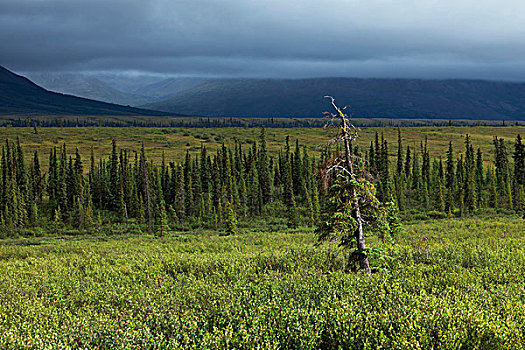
(19, 95)
(87, 86)
(368, 97)
(249, 97)
(169, 87)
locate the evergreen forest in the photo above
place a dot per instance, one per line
(245, 185)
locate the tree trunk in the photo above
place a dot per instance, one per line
(356, 213)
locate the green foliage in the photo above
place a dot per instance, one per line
(231, 220)
(339, 225)
(446, 284)
(162, 221)
(58, 224)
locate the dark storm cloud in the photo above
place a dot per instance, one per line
(293, 38)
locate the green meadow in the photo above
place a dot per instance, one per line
(175, 142)
(444, 284)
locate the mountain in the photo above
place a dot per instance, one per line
(381, 98)
(127, 83)
(119, 89)
(19, 95)
(88, 87)
(168, 87)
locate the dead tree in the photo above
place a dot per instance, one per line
(348, 133)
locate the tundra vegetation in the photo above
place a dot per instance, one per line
(217, 248)
(242, 186)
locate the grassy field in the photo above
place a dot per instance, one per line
(446, 284)
(441, 284)
(174, 142)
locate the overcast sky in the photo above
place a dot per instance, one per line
(267, 38)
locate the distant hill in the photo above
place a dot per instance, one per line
(368, 98)
(169, 87)
(371, 98)
(119, 89)
(87, 86)
(127, 83)
(19, 95)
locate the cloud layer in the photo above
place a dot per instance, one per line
(268, 38)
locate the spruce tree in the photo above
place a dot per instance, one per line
(162, 221)
(501, 162)
(519, 161)
(297, 171)
(187, 186)
(243, 198)
(399, 168)
(493, 192)
(520, 199)
(509, 203)
(460, 180)
(231, 219)
(416, 177)
(449, 174)
(204, 171)
(88, 212)
(286, 175)
(3, 187)
(263, 169)
(58, 224)
(21, 209)
(145, 184)
(253, 190)
(62, 181)
(37, 181)
(479, 179)
(425, 163)
(114, 177)
(408, 163)
(385, 180)
(371, 157)
(21, 173)
(469, 176)
(53, 179)
(377, 156)
(449, 202)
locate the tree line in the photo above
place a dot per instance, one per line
(458, 184)
(175, 122)
(237, 184)
(221, 122)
